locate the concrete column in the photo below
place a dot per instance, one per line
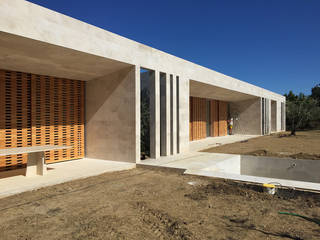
(137, 113)
(278, 116)
(173, 114)
(273, 116)
(268, 116)
(165, 114)
(184, 95)
(154, 114)
(283, 117)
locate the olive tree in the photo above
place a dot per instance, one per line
(300, 111)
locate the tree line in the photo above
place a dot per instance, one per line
(303, 111)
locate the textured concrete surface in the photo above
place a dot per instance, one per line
(110, 117)
(284, 168)
(203, 90)
(217, 141)
(274, 126)
(36, 164)
(59, 173)
(254, 179)
(244, 168)
(246, 116)
(154, 78)
(195, 147)
(165, 115)
(33, 149)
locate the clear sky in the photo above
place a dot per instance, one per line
(274, 44)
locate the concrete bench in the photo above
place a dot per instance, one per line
(36, 164)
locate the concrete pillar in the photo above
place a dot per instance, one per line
(154, 114)
(165, 114)
(268, 116)
(278, 116)
(137, 113)
(184, 96)
(173, 81)
(283, 116)
(273, 116)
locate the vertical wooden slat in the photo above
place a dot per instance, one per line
(2, 116)
(214, 118)
(223, 115)
(190, 119)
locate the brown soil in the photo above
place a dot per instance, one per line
(148, 204)
(305, 145)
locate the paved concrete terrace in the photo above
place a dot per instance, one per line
(218, 165)
(193, 157)
(59, 173)
(217, 141)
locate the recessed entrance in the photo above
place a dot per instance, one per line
(208, 118)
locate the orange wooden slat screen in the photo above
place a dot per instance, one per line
(197, 118)
(214, 105)
(40, 110)
(223, 116)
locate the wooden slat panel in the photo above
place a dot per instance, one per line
(190, 119)
(223, 115)
(214, 118)
(198, 118)
(2, 116)
(40, 110)
(14, 117)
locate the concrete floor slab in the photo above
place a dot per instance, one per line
(59, 173)
(217, 141)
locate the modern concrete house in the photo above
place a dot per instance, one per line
(64, 82)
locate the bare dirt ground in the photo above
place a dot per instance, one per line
(147, 204)
(305, 145)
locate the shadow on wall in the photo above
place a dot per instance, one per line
(110, 116)
(246, 116)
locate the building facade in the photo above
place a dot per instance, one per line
(65, 82)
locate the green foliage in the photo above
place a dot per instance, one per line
(315, 93)
(302, 110)
(145, 122)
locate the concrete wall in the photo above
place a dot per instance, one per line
(284, 168)
(246, 116)
(111, 117)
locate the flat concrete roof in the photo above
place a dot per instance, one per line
(33, 28)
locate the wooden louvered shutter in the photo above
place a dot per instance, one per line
(40, 110)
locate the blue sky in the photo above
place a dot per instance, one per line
(274, 44)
